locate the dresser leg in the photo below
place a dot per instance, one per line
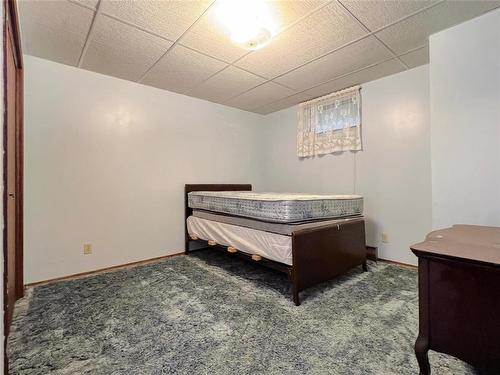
(421, 352)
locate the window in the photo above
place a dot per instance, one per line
(329, 124)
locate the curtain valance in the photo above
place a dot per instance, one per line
(331, 123)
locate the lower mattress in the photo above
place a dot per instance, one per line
(272, 246)
(279, 228)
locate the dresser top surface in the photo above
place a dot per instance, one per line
(469, 242)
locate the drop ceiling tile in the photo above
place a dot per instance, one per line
(362, 76)
(166, 18)
(355, 56)
(372, 73)
(54, 30)
(414, 31)
(259, 96)
(283, 103)
(375, 13)
(320, 33)
(120, 50)
(182, 69)
(87, 3)
(286, 12)
(417, 57)
(226, 84)
(210, 37)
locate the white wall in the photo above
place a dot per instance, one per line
(106, 161)
(465, 113)
(392, 172)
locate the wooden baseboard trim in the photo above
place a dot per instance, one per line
(102, 270)
(398, 263)
(153, 260)
(372, 254)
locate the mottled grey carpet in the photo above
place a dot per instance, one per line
(211, 314)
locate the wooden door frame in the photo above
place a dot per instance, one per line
(10, 11)
(19, 153)
(11, 21)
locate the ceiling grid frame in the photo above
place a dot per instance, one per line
(267, 80)
(230, 63)
(414, 57)
(176, 42)
(103, 13)
(88, 39)
(374, 35)
(343, 76)
(128, 23)
(371, 33)
(80, 4)
(300, 19)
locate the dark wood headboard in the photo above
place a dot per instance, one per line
(207, 187)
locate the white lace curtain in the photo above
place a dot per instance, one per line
(329, 124)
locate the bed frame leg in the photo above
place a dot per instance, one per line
(296, 298)
(295, 289)
(365, 266)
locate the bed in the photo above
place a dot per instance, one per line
(312, 238)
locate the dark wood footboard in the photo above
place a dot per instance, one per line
(320, 254)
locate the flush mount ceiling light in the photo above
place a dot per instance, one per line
(250, 23)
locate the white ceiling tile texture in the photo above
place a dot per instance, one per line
(414, 31)
(364, 75)
(322, 45)
(181, 69)
(210, 37)
(259, 96)
(109, 49)
(371, 73)
(87, 3)
(169, 19)
(355, 56)
(417, 57)
(54, 30)
(323, 31)
(283, 103)
(375, 14)
(227, 84)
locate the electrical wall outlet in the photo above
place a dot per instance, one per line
(87, 248)
(385, 238)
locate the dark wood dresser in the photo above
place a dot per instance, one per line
(459, 296)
